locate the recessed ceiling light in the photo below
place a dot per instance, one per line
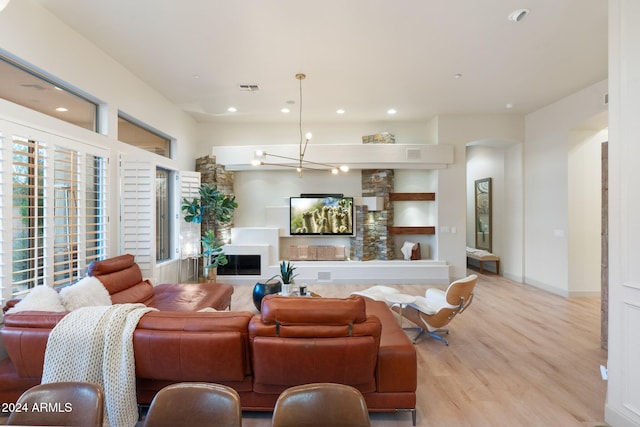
(508, 106)
(339, 111)
(518, 15)
(196, 76)
(457, 76)
(391, 111)
(232, 109)
(62, 109)
(285, 110)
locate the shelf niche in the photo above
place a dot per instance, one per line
(412, 197)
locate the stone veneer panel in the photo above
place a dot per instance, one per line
(377, 242)
(213, 173)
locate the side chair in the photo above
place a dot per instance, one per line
(321, 405)
(61, 404)
(195, 404)
(437, 308)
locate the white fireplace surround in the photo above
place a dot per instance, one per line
(265, 241)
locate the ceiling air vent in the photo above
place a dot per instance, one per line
(250, 88)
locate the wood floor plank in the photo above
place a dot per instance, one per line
(518, 356)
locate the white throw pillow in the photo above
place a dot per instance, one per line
(41, 298)
(86, 292)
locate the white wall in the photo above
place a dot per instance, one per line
(287, 133)
(256, 191)
(452, 182)
(585, 211)
(546, 246)
(512, 241)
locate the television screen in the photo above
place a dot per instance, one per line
(321, 215)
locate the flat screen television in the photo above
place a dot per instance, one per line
(321, 215)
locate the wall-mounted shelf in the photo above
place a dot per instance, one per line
(412, 197)
(408, 229)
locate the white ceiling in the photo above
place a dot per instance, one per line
(364, 56)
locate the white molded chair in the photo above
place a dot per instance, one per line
(437, 308)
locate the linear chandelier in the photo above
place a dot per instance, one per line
(262, 157)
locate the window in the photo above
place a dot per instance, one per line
(30, 89)
(58, 220)
(134, 133)
(163, 215)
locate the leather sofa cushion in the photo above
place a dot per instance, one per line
(280, 363)
(301, 310)
(191, 297)
(117, 281)
(123, 279)
(179, 346)
(141, 292)
(110, 265)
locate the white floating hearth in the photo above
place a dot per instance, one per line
(264, 242)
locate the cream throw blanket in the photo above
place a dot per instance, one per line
(95, 344)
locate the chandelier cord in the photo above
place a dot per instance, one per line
(303, 149)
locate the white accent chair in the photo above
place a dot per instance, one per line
(437, 308)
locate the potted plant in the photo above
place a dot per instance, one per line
(214, 255)
(211, 209)
(286, 272)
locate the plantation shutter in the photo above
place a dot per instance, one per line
(95, 214)
(30, 208)
(66, 216)
(43, 185)
(189, 232)
(137, 212)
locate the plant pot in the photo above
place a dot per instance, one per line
(210, 274)
(260, 290)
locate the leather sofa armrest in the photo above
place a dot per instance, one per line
(10, 304)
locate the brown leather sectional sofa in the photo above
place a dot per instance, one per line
(293, 341)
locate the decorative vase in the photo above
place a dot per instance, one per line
(260, 290)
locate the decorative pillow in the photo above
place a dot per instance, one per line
(84, 293)
(41, 298)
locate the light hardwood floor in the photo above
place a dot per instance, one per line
(517, 357)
